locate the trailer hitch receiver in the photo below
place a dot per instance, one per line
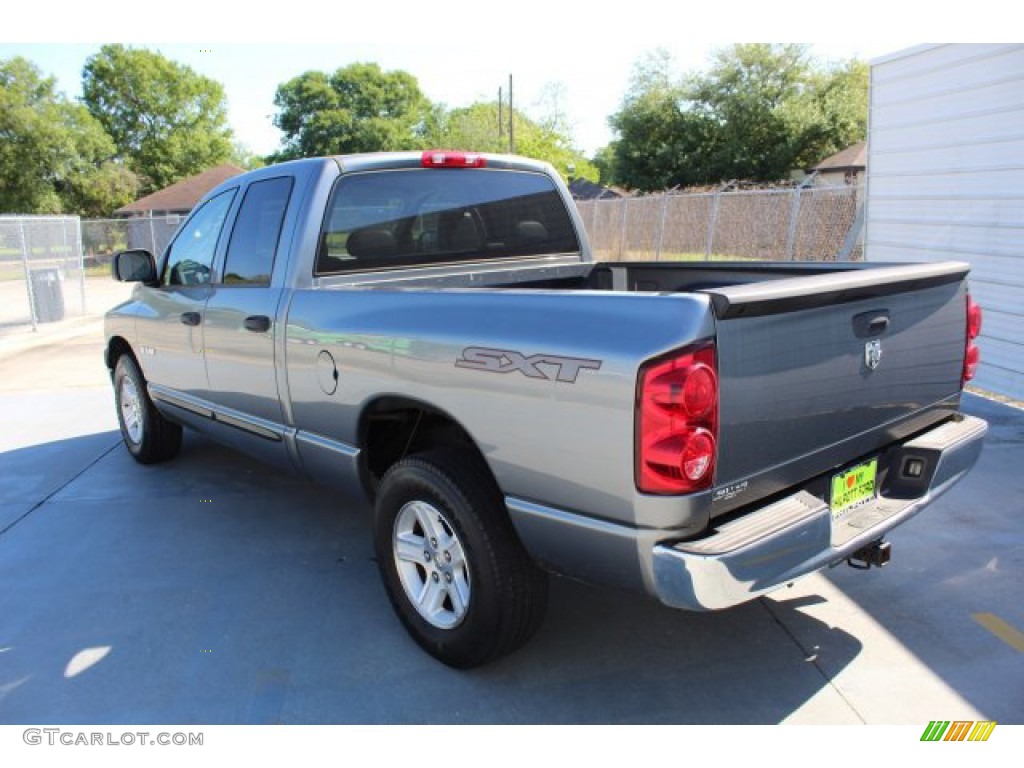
(877, 554)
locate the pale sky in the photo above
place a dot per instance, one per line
(459, 51)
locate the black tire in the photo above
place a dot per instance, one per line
(149, 437)
(507, 593)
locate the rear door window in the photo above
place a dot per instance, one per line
(257, 229)
(397, 218)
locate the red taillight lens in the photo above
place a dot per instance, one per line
(972, 355)
(971, 360)
(700, 391)
(677, 422)
(446, 158)
(973, 319)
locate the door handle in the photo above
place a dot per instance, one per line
(191, 318)
(257, 323)
(873, 323)
(878, 325)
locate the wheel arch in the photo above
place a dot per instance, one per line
(392, 427)
(117, 346)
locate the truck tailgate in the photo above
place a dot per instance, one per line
(816, 370)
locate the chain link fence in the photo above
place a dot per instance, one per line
(102, 238)
(44, 260)
(54, 268)
(41, 270)
(812, 224)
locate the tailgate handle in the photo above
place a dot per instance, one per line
(257, 323)
(873, 323)
(190, 318)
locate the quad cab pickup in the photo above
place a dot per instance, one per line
(431, 330)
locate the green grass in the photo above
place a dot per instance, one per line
(98, 270)
(9, 272)
(56, 251)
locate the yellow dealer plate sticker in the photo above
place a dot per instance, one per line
(853, 487)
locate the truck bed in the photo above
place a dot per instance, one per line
(797, 399)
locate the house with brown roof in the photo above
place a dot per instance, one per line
(843, 168)
(181, 197)
(583, 189)
(155, 218)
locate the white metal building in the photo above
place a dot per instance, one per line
(946, 181)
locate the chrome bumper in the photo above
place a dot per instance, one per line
(795, 536)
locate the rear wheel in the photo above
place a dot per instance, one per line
(149, 437)
(456, 574)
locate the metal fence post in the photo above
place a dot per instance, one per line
(712, 223)
(854, 233)
(152, 235)
(625, 231)
(28, 274)
(794, 214)
(81, 260)
(661, 227)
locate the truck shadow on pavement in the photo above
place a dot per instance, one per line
(961, 560)
(214, 590)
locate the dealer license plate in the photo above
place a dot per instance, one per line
(853, 487)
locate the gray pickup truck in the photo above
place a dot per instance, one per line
(430, 329)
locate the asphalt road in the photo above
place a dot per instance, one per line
(214, 590)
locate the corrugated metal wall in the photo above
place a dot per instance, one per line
(946, 181)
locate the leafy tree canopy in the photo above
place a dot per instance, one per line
(360, 108)
(54, 157)
(759, 112)
(475, 128)
(167, 121)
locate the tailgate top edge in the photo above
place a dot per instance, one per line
(796, 293)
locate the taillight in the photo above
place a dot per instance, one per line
(972, 355)
(677, 422)
(446, 158)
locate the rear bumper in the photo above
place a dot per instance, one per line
(796, 535)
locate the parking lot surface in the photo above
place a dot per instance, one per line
(214, 590)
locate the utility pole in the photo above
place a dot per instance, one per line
(511, 129)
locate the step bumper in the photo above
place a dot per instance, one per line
(770, 547)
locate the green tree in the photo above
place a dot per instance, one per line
(604, 161)
(759, 112)
(359, 108)
(101, 191)
(664, 139)
(833, 113)
(748, 94)
(475, 128)
(167, 121)
(54, 157)
(243, 157)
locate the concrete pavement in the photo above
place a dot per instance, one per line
(213, 590)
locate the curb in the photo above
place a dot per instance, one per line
(13, 344)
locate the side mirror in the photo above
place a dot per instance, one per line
(134, 266)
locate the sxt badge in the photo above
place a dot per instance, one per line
(506, 360)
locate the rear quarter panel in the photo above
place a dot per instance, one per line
(559, 443)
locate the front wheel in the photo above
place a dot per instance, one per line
(148, 436)
(456, 574)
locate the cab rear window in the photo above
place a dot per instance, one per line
(399, 218)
